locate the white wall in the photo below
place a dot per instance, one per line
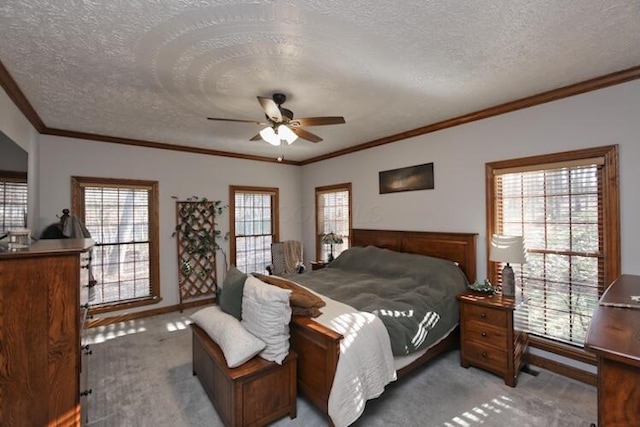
(179, 174)
(605, 117)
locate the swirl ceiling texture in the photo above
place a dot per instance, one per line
(154, 70)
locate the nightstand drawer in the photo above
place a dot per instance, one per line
(483, 333)
(487, 357)
(487, 315)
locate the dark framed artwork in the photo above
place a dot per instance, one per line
(411, 178)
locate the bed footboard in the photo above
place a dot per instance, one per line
(318, 348)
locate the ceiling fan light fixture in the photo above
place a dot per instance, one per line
(286, 134)
(270, 136)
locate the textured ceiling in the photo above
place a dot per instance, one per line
(155, 69)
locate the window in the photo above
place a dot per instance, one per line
(254, 226)
(122, 217)
(333, 214)
(566, 207)
(13, 200)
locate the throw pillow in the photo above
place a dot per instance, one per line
(236, 343)
(266, 313)
(231, 294)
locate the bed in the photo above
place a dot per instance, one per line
(318, 346)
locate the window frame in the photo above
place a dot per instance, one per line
(275, 213)
(77, 202)
(330, 189)
(610, 222)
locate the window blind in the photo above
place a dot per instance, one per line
(332, 211)
(254, 230)
(118, 220)
(558, 210)
(13, 204)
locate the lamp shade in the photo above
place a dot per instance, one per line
(270, 135)
(286, 134)
(509, 249)
(332, 238)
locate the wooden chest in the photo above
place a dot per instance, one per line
(253, 394)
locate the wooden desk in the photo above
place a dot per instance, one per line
(614, 336)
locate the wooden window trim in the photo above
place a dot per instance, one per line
(611, 219)
(77, 207)
(346, 186)
(233, 189)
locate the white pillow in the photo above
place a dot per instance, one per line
(266, 314)
(238, 345)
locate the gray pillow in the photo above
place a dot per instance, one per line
(231, 294)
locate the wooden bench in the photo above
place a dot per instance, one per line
(253, 394)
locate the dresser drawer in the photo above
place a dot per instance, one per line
(487, 315)
(486, 334)
(488, 357)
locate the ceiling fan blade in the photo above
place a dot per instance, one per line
(270, 108)
(305, 134)
(256, 138)
(317, 121)
(238, 121)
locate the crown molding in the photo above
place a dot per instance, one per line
(13, 90)
(623, 76)
(161, 145)
(531, 101)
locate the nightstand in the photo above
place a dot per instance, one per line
(318, 265)
(490, 338)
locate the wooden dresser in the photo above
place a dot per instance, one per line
(41, 321)
(614, 336)
(490, 337)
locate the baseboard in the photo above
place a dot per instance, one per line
(103, 321)
(562, 369)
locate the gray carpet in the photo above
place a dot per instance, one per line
(140, 373)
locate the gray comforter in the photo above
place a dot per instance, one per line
(413, 295)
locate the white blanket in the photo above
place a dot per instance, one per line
(365, 365)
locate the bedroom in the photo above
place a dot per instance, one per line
(598, 118)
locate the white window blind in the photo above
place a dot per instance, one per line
(13, 204)
(118, 220)
(254, 230)
(333, 214)
(558, 210)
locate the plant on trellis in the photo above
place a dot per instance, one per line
(197, 239)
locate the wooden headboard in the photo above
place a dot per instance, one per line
(457, 247)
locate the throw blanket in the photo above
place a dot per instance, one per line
(303, 302)
(292, 256)
(365, 365)
(413, 295)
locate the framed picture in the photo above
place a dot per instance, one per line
(411, 178)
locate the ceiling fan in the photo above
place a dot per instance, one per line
(280, 124)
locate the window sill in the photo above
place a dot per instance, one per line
(107, 308)
(562, 349)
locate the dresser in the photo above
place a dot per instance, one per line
(491, 337)
(614, 336)
(41, 322)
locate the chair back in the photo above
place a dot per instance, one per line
(286, 257)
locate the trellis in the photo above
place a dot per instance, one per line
(196, 237)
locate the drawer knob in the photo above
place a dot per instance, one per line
(484, 334)
(484, 354)
(483, 315)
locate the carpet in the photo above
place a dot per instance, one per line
(140, 375)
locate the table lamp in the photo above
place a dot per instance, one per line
(507, 249)
(331, 239)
